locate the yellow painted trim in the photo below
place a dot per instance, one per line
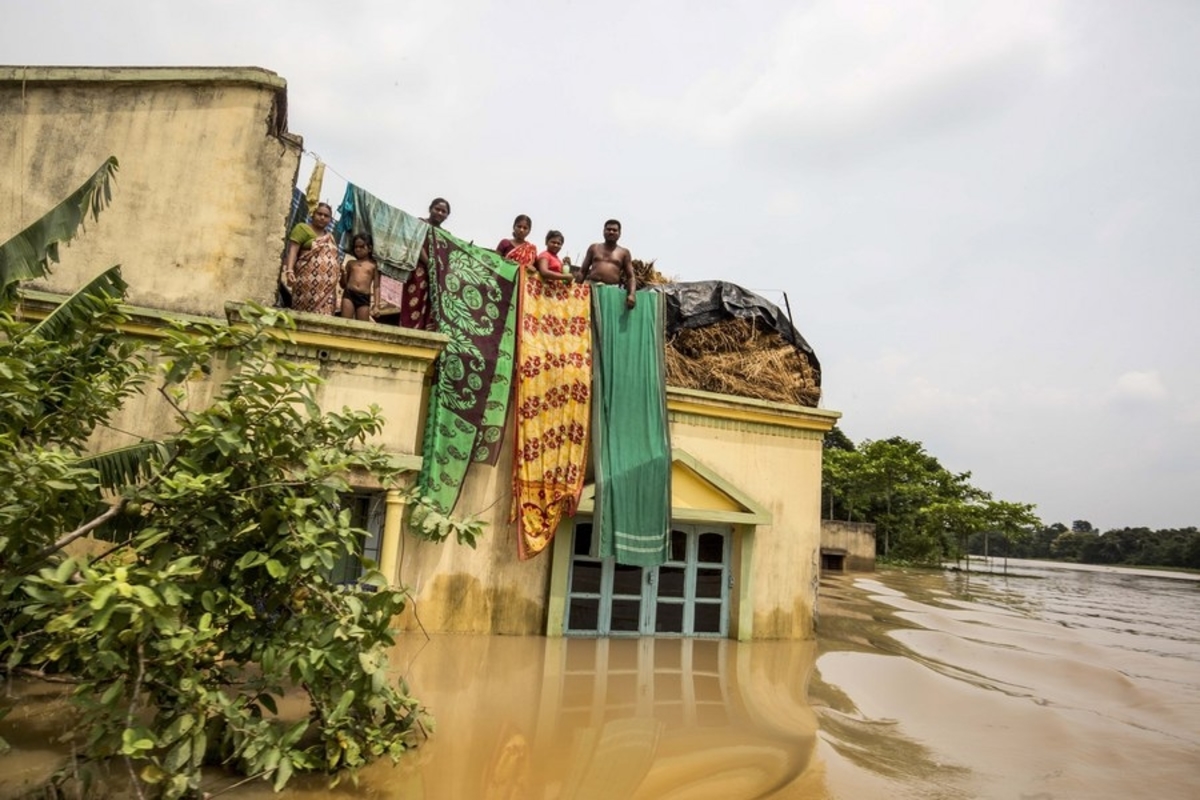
(389, 548)
(743, 612)
(751, 511)
(372, 346)
(152, 323)
(808, 423)
(727, 517)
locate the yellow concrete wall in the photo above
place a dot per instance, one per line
(783, 473)
(204, 188)
(361, 365)
(772, 454)
(364, 364)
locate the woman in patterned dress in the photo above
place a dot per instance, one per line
(313, 267)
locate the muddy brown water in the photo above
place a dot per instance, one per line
(1048, 683)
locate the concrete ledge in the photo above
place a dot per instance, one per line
(254, 76)
(682, 403)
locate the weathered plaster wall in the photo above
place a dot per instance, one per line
(856, 538)
(483, 590)
(772, 454)
(361, 365)
(200, 203)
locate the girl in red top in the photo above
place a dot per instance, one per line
(549, 266)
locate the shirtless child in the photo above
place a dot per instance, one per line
(360, 280)
(605, 262)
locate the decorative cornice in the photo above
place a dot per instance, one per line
(728, 412)
(150, 323)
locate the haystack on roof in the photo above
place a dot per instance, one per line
(726, 339)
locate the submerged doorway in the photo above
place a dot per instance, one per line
(686, 596)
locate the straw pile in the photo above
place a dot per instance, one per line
(647, 275)
(734, 357)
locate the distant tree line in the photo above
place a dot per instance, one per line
(924, 513)
(1166, 547)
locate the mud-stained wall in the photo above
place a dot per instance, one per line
(201, 199)
(483, 590)
(856, 539)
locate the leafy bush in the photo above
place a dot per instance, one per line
(213, 599)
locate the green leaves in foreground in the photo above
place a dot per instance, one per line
(213, 599)
(28, 254)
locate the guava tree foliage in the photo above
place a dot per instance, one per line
(208, 595)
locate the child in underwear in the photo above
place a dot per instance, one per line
(360, 280)
(549, 266)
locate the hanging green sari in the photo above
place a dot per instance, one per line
(472, 293)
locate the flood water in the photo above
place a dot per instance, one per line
(1048, 683)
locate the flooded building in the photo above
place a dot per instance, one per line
(847, 546)
(200, 215)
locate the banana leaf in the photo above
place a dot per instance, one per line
(28, 254)
(83, 305)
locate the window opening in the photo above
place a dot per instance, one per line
(366, 512)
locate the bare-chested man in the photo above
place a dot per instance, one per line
(605, 262)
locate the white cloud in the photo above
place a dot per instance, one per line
(1139, 387)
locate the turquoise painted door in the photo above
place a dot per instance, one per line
(686, 596)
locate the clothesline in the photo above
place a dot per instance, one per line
(327, 166)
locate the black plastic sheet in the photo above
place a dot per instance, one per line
(697, 304)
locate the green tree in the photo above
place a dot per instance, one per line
(835, 439)
(212, 598)
(922, 511)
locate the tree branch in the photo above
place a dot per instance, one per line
(82, 530)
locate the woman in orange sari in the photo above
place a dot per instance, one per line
(517, 249)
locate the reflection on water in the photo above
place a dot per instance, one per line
(608, 718)
(1045, 684)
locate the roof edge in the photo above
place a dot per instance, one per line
(255, 76)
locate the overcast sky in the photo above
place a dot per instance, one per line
(986, 215)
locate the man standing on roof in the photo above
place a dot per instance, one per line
(606, 262)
